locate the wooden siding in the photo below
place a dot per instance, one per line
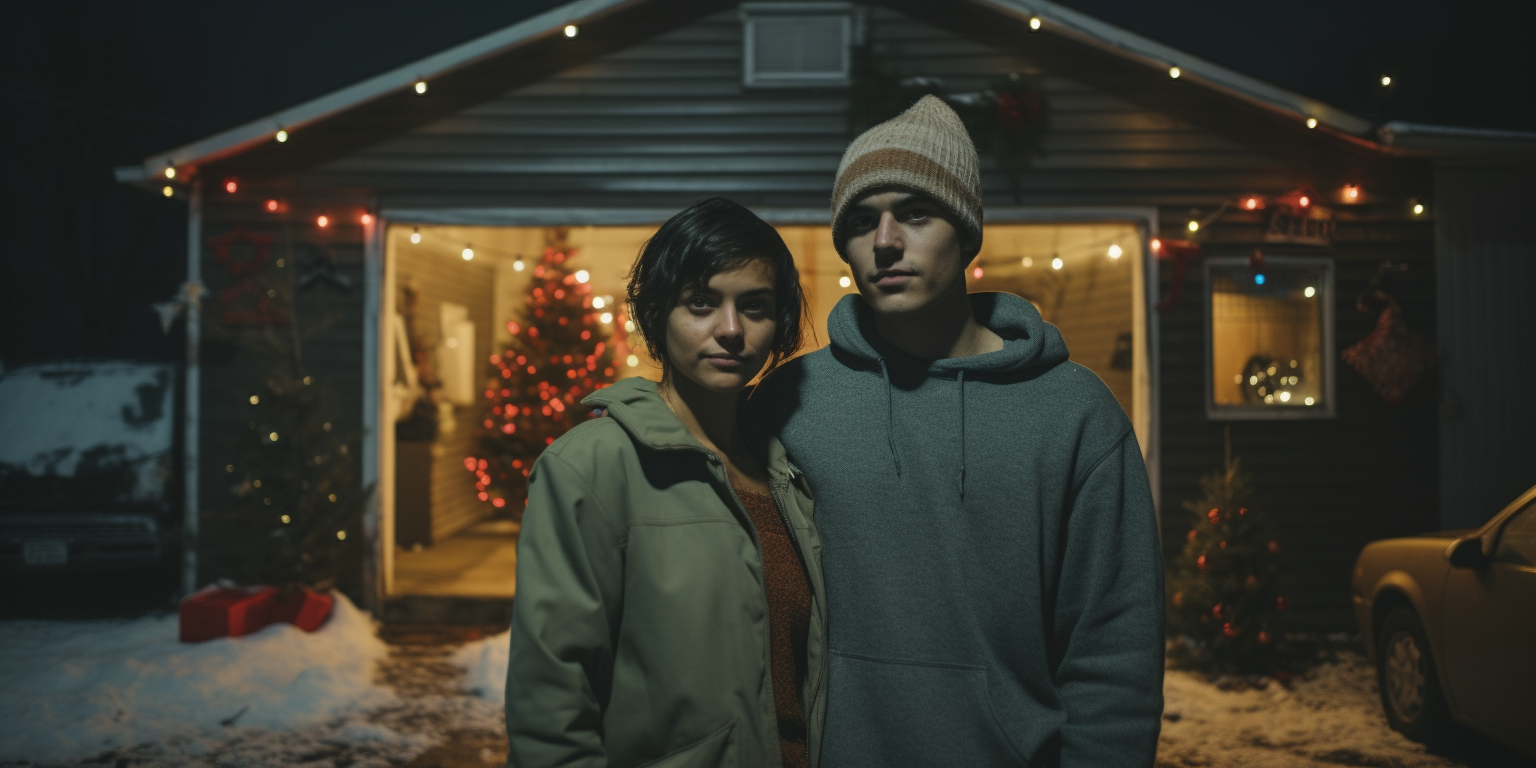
(666, 120)
(1487, 269)
(438, 279)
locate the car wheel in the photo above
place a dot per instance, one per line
(1407, 678)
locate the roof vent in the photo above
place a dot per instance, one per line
(790, 45)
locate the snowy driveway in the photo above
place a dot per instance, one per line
(126, 694)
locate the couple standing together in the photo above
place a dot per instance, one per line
(977, 581)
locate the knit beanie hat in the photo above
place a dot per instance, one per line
(925, 149)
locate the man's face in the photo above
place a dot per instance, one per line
(903, 251)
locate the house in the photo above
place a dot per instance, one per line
(1209, 244)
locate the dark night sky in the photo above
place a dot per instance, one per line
(88, 86)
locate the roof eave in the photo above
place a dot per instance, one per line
(264, 129)
(1449, 141)
(1090, 31)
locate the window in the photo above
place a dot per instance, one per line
(1269, 343)
(796, 44)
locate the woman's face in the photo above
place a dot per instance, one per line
(719, 336)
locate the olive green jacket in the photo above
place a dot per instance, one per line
(640, 626)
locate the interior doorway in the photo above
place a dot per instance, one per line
(451, 291)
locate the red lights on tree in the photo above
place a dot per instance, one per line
(366, 219)
(230, 185)
(272, 206)
(559, 352)
(323, 221)
(1223, 589)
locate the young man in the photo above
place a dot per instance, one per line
(990, 549)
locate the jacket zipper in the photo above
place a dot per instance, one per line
(762, 583)
(777, 490)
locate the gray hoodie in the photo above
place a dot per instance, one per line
(990, 549)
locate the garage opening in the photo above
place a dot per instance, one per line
(455, 359)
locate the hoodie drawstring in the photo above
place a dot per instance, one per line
(960, 378)
(890, 417)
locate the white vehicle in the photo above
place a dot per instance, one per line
(85, 462)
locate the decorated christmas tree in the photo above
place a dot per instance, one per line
(1224, 593)
(562, 349)
(294, 516)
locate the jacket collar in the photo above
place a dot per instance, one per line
(637, 406)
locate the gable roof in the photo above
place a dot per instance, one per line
(623, 21)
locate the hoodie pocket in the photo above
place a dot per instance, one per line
(714, 751)
(888, 714)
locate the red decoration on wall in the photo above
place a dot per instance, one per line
(259, 311)
(1180, 252)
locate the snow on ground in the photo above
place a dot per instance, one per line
(126, 693)
(74, 689)
(485, 666)
(1329, 716)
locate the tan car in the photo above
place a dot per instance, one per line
(1449, 619)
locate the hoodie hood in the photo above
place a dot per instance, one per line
(1030, 346)
(637, 406)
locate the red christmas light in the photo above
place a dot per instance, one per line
(323, 221)
(230, 185)
(272, 206)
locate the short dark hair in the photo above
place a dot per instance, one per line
(711, 236)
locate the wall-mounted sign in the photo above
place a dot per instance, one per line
(1313, 226)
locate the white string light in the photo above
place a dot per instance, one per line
(570, 30)
(1311, 122)
(415, 236)
(468, 253)
(1034, 23)
(421, 87)
(1175, 72)
(281, 136)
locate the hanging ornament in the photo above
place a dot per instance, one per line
(189, 295)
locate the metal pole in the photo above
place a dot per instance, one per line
(193, 293)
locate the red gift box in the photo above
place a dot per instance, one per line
(225, 611)
(303, 608)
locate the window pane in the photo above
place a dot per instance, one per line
(1267, 335)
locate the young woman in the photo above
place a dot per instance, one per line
(669, 606)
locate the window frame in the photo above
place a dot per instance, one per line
(1329, 407)
(751, 13)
